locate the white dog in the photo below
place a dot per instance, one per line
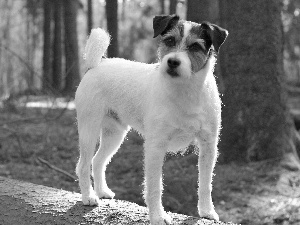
(172, 103)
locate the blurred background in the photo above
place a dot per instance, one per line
(257, 177)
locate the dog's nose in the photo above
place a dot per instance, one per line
(173, 63)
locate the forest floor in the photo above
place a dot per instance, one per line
(34, 139)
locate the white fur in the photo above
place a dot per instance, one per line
(184, 69)
(95, 47)
(187, 28)
(169, 112)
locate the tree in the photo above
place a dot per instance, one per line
(172, 7)
(256, 122)
(32, 32)
(71, 46)
(291, 20)
(90, 16)
(57, 46)
(111, 8)
(162, 7)
(197, 10)
(6, 64)
(47, 78)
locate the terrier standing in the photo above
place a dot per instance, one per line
(172, 103)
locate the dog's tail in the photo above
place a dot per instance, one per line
(96, 47)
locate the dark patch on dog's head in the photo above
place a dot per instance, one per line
(202, 34)
(162, 24)
(179, 37)
(213, 34)
(171, 39)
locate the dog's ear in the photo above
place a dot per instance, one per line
(216, 33)
(162, 24)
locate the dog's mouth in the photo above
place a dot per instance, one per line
(172, 72)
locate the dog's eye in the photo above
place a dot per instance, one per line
(170, 41)
(195, 47)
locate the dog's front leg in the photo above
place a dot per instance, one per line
(207, 159)
(154, 158)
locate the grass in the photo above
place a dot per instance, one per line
(253, 193)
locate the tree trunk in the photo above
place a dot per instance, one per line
(162, 7)
(71, 47)
(198, 10)
(47, 78)
(256, 122)
(222, 58)
(112, 27)
(29, 50)
(5, 60)
(57, 46)
(173, 7)
(123, 11)
(90, 16)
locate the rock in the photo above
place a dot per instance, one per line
(26, 203)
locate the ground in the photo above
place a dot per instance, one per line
(33, 140)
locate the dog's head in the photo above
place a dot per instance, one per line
(186, 46)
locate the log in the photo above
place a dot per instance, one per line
(27, 203)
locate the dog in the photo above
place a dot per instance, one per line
(171, 103)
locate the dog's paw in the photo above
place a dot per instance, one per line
(91, 200)
(211, 215)
(164, 220)
(106, 193)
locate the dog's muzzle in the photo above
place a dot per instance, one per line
(173, 63)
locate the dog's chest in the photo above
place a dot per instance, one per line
(189, 121)
(185, 132)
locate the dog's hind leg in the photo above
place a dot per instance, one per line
(89, 130)
(112, 135)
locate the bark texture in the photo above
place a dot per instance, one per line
(57, 46)
(47, 78)
(72, 78)
(173, 7)
(162, 7)
(256, 122)
(198, 10)
(112, 27)
(90, 20)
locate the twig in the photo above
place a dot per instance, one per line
(56, 168)
(179, 206)
(21, 120)
(30, 68)
(292, 88)
(58, 116)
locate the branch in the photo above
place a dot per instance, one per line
(29, 67)
(20, 121)
(56, 168)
